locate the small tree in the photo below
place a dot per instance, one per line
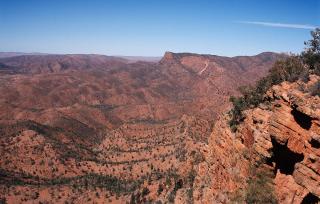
(311, 55)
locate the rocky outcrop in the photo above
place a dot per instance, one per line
(225, 167)
(286, 132)
(283, 134)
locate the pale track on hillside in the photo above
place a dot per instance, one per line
(205, 67)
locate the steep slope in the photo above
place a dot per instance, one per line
(220, 73)
(281, 135)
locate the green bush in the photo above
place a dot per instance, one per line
(292, 68)
(311, 55)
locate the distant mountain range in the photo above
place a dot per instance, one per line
(129, 58)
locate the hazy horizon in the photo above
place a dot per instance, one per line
(144, 28)
(133, 56)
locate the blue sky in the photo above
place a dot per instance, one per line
(149, 28)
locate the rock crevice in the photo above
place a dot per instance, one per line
(282, 134)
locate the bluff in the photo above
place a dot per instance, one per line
(282, 135)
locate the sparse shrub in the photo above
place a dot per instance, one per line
(6, 162)
(160, 189)
(35, 196)
(33, 162)
(191, 177)
(132, 199)
(236, 115)
(171, 197)
(145, 191)
(42, 162)
(315, 89)
(290, 69)
(260, 187)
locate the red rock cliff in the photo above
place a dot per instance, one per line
(283, 132)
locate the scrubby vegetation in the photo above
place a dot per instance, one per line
(260, 188)
(315, 89)
(290, 69)
(294, 67)
(121, 168)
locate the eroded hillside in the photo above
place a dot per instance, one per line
(81, 128)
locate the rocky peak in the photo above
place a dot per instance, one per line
(170, 57)
(177, 57)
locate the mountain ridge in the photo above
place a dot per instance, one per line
(134, 131)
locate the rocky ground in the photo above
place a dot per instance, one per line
(281, 135)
